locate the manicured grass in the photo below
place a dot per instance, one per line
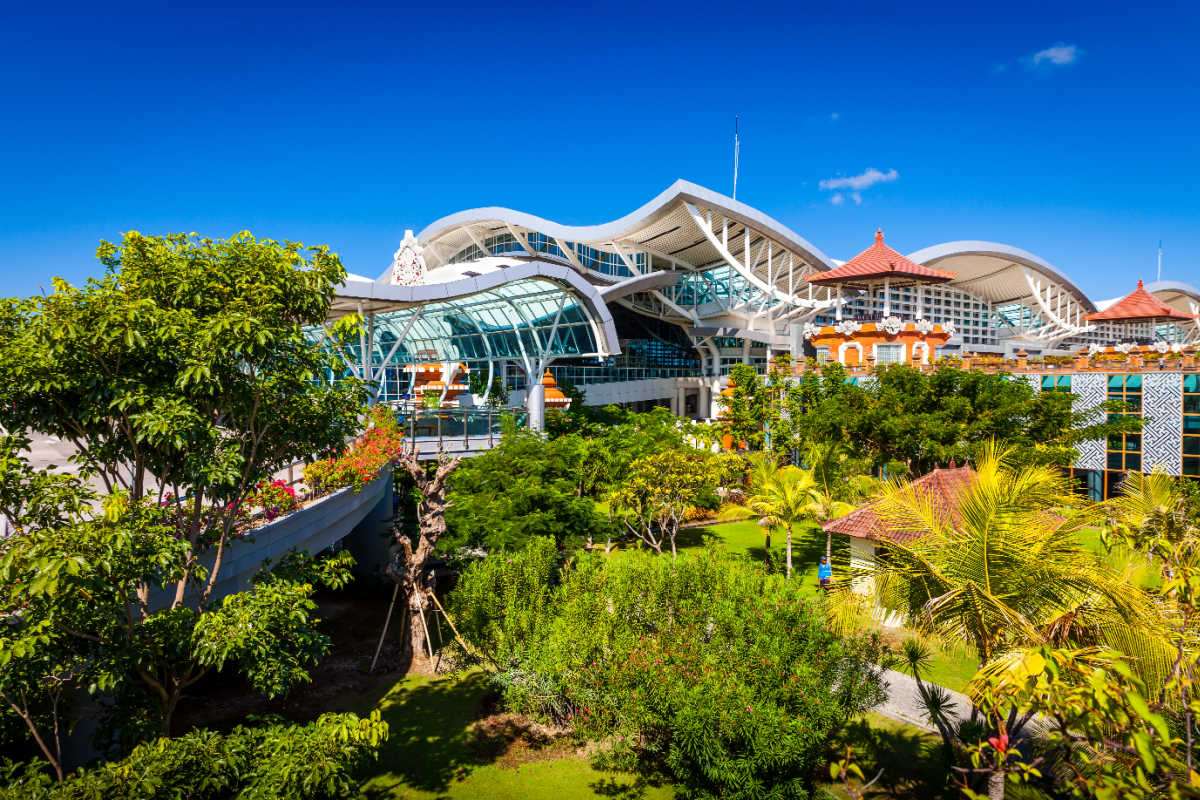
(434, 751)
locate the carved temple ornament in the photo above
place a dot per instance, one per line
(1176, 347)
(891, 325)
(1162, 347)
(950, 329)
(924, 326)
(1124, 347)
(847, 327)
(408, 266)
(1094, 349)
(811, 330)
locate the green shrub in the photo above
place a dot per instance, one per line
(276, 760)
(708, 668)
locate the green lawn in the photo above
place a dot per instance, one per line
(434, 751)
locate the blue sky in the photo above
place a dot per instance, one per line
(346, 123)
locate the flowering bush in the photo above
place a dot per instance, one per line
(363, 461)
(274, 498)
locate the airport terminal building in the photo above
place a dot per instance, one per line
(654, 308)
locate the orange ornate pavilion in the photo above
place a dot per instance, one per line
(555, 399)
(888, 338)
(441, 380)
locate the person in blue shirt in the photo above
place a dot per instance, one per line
(824, 573)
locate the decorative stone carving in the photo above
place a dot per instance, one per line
(891, 325)
(950, 329)
(924, 326)
(1124, 347)
(811, 330)
(847, 327)
(1176, 347)
(1162, 347)
(408, 266)
(1094, 349)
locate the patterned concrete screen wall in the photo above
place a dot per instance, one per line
(1162, 434)
(1092, 391)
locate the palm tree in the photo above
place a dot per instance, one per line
(827, 461)
(1004, 571)
(785, 498)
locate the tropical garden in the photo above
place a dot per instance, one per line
(617, 607)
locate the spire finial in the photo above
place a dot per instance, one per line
(878, 235)
(1140, 285)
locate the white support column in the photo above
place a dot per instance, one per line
(681, 401)
(887, 298)
(535, 403)
(838, 312)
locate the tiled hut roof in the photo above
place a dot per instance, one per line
(1138, 305)
(878, 262)
(946, 485)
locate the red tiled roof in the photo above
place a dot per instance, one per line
(1137, 305)
(878, 262)
(945, 485)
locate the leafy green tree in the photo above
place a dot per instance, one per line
(184, 374)
(270, 760)
(527, 486)
(657, 492)
(746, 406)
(183, 378)
(651, 659)
(925, 419)
(83, 596)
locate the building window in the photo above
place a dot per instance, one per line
(1056, 383)
(1125, 450)
(1191, 424)
(889, 354)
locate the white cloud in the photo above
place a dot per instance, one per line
(1058, 55)
(857, 198)
(834, 116)
(859, 182)
(837, 199)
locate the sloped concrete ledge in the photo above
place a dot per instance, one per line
(312, 528)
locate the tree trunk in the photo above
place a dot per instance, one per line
(789, 552)
(829, 546)
(995, 789)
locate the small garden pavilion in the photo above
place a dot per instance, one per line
(888, 339)
(943, 488)
(1141, 317)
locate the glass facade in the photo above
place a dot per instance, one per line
(1124, 451)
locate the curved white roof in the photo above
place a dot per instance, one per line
(996, 272)
(647, 219)
(1177, 294)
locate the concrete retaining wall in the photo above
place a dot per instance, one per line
(360, 517)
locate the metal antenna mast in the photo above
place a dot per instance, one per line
(736, 147)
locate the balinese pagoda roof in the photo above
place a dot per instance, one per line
(1138, 306)
(878, 262)
(944, 486)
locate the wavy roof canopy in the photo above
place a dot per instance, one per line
(997, 272)
(1178, 295)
